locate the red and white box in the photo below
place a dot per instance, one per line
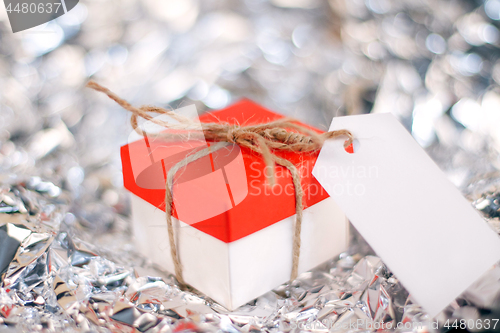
(234, 232)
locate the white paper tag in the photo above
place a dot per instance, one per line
(420, 225)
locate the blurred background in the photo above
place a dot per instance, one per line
(434, 64)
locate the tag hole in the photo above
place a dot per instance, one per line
(351, 148)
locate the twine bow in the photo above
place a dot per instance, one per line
(279, 135)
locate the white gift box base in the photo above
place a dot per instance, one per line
(235, 273)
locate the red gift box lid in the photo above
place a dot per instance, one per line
(263, 205)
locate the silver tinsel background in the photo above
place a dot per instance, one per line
(67, 260)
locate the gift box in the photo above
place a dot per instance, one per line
(233, 230)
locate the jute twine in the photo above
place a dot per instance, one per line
(279, 135)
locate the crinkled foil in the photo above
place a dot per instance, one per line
(67, 259)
